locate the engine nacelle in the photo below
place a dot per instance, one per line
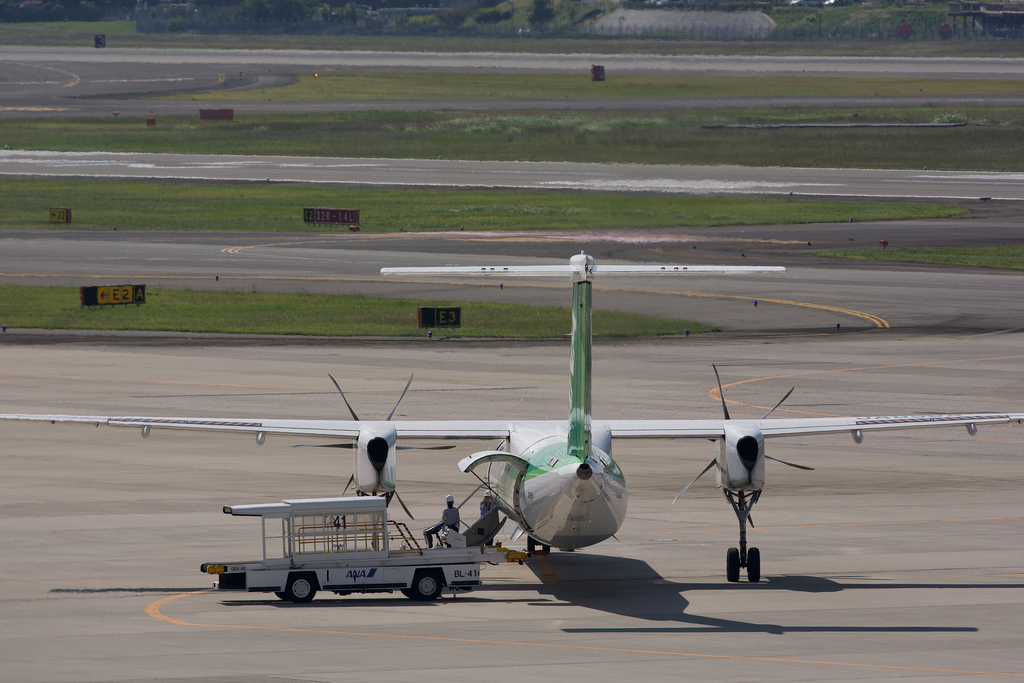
(376, 469)
(741, 457)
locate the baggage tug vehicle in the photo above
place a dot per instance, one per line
(349, 545)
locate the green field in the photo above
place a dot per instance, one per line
(605, 137)
(329, 85)
(307, 314)
(991, 141)
(1005, 257)
(119, 205)
(122, 34)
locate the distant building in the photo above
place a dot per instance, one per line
(1001, 19)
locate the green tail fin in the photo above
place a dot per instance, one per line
(579, 379)
(581, 270)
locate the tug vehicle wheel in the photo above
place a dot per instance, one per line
(301, 587)
(426, 585)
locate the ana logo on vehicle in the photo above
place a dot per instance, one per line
(360, 573)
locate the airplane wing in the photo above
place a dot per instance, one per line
(500, 429)
(427, 429)
(715, 429)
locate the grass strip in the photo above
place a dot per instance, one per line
(992, 140)
(308, 314)
(123, 34)
(1004, 256)
(329, 85)
(120, 205)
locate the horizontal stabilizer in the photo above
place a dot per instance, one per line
(568, 270)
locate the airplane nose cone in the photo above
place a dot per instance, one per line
(584, 472)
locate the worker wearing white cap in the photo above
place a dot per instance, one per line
(450, 515)
(449, 518)
(487, 504)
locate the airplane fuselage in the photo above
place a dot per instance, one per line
(558, 499)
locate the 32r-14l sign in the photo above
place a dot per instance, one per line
(344, 216)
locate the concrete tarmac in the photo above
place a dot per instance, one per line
(898, 559)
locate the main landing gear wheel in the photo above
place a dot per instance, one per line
(742, 557)
(732, 565)
(753, 565)
(734, 562)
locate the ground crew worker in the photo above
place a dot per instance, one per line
(487, 504)
(449, 519)
(450, 515)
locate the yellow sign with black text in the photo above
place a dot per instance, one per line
(113, 295)
(60, 215)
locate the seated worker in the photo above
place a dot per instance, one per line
(449, 519)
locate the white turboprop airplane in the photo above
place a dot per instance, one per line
(557, 478)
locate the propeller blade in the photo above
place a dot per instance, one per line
(388, 419)
(791, 464)
(404, 506)
(353, 445)
(779, 403)
(336, 386)
(705, 471)
(721, 395)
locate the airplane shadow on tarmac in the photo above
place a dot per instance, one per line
(632, 588)
(639, 592)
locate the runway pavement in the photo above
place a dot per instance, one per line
(55, 82)
(523, 175)
(524, 62)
